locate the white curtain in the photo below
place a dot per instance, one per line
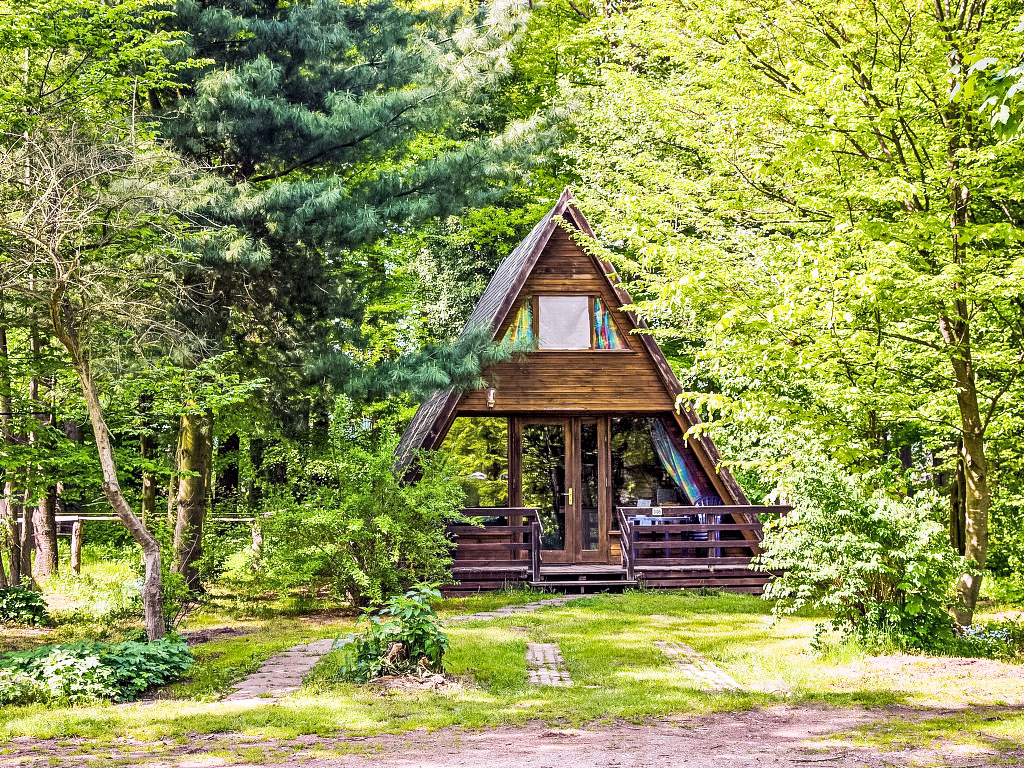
(564, 322)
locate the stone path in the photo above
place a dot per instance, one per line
(547, 667)
(282, 674)
(707, 676)
(511, 610)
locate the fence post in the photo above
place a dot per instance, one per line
(76, 547)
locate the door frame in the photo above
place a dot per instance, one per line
(572, 424)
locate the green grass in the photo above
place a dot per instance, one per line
(607, 642)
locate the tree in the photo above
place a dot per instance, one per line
(63, 65)
(332, 125)
(84, 234)
(829, 233)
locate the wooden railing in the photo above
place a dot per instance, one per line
(509, 539)
(625, 542)
(677, 538)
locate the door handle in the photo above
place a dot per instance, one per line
(569, 494)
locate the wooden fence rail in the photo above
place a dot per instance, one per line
(77, 522)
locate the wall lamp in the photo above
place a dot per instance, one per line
(490, 397)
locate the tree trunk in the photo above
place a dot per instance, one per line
(13, 534)
(957, 508)
(976, 493)
(227, 479)
(194, 457)
(62, 317)
(147, 450)
(76, 547)
(44, 524)
(26, 540)
(8, 514)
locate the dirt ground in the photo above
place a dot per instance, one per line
(766, 738)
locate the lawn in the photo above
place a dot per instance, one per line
(607, 642)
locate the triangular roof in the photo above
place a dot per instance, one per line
(434, 416)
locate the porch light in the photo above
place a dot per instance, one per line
(490, 397)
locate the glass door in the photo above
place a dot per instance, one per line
(565, 473)
(544, 483)
(592, 530)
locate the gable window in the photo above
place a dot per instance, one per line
(565, 323)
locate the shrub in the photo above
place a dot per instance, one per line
(20, 605)
(403, 637)
(350, 525)
(83, 672)
(881, 565)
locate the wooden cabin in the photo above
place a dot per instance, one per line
(574, 454)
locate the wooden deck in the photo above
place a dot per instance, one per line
(682, 548)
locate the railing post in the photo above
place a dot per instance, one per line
(626, 543)
(535, 541)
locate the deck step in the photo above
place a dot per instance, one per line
(560, 583)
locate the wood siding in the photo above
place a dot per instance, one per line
(591, 381)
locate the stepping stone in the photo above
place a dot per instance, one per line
(546, 665)
(282, 673)
(705, 675)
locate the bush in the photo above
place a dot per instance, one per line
(84, 672)
(350, 525)
(882, 566)
(20, 605)
(403, 637)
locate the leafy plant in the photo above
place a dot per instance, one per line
(994, 639)
(405, 636)
(881, 565)
(83, 672)
(350, 525)
(20, 605)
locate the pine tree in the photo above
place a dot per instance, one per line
(332, 124)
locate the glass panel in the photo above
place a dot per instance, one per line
(479, 452)
(520, 333)
(564, 322)
(639, 478)
(589, 491)
(544, 478)
(606, 334)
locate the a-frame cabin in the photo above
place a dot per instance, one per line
(584, 478)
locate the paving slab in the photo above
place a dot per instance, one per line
(706, 675)
(283, 673)
(546, 665)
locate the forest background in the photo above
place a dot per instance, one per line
(238, 241)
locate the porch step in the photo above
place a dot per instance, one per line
(582, 584)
